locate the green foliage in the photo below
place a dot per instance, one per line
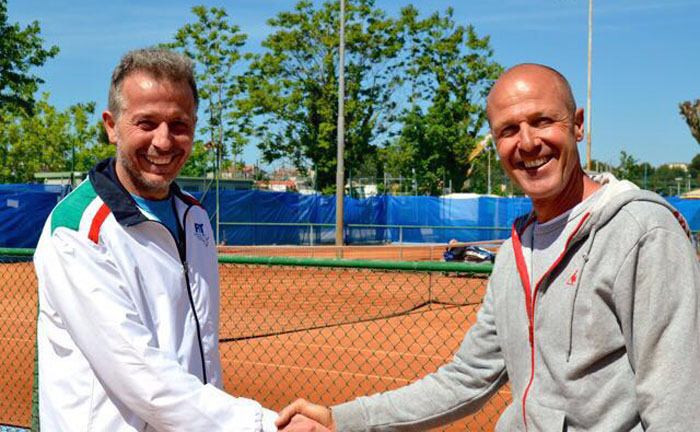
(34, 135)
(694, 167)
(199, 160)
(449, 72)
(50, 140)
(665, 179)
(691, 113)
(628, 168)
(293, 86)
(20, 51)
(478, 176)
(214, 43)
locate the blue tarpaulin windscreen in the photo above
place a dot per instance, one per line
(266, 218)
(23, 211)
(260, 217)
(474, 219)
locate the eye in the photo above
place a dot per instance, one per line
(508, 131)
(146, 125)
(180, 128)
(542, 122)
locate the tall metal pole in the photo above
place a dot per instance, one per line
(72, 166)
(488, 155)
(588, 104)
(339, 184)
(218, 176)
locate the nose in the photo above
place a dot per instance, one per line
(162, 140)
(527, 141)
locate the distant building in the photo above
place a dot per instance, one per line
(360, 190)
(247, 171)
(62, 178)
(191, 184)
(201, 184)
(288, 179)
(277, 185)
(679, 166)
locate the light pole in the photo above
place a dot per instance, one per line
(339, 183)
(588, 103)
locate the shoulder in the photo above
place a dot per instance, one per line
(648, 216)
(81, 211)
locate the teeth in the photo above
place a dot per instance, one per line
(535, 163)
(159, 160)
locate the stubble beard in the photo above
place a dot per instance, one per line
(138, 179)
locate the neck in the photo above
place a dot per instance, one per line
(580, 188)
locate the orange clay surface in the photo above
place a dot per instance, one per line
(327, 335)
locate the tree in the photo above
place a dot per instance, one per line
(691, 112)
(199, 160)
(667, 179)
(293, 86)
(450, 73)
(20, 51)
(214, 44)
(50, 140)
(694, 167)
(629, 168)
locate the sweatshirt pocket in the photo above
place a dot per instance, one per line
(545, 419)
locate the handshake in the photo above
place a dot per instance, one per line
(303, 416)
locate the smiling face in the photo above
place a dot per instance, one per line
(153, 133)
(535, 127)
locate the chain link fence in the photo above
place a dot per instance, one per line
(326, 330)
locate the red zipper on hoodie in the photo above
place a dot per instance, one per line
(531, 295)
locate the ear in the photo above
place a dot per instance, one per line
(110, 124)
(578, 123)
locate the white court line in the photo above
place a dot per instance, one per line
(17, 339)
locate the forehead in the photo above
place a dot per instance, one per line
(141, 89)
(524, 94)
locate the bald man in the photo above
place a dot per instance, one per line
(592, 309)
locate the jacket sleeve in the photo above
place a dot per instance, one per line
(456, 390)
(656, 294)
(83, 285)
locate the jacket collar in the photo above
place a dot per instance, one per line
(108, 187)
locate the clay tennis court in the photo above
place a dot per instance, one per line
(320, 333)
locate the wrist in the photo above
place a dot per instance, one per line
(331, 422)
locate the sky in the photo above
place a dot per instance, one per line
(645, 54)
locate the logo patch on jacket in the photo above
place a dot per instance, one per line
(572, 278)
(200, 234)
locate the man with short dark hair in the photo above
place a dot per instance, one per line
(592, 311)
(128, 279)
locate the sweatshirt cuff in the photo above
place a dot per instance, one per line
(348, 417)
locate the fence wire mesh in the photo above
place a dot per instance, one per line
(325, 330)
(18, 311)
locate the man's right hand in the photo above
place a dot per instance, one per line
(317, 413)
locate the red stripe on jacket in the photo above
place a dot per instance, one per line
(530, 298)
(97, 221)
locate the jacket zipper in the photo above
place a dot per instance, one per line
(531, 299)
(182, 250)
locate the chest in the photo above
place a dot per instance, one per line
(171, 287)
(571, 319)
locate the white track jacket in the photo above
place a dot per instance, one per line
(128, 319)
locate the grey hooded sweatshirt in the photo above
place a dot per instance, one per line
(609, 341)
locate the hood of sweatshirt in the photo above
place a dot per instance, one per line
(615, 195)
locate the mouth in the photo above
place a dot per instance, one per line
(534, 164)
(159, 161)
